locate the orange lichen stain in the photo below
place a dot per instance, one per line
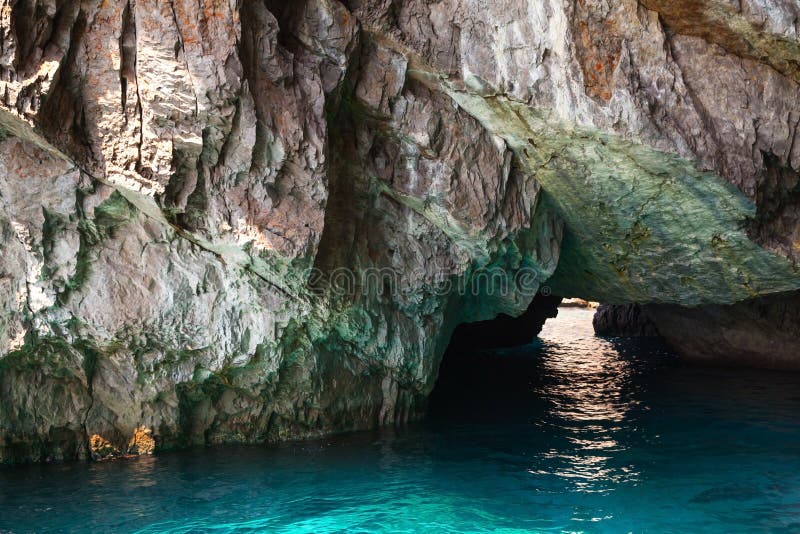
(211, 13)
(142, 441)
(102, 449)
(598, 50)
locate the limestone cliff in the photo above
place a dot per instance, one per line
(243, 221)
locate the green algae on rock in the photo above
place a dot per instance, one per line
(641, 225)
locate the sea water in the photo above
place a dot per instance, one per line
(572, 433)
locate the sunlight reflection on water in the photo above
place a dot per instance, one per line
(587, 401)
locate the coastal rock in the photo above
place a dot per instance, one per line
(756, 332)
(251, 221)
(102, 449)
(759, 332)
(623, 321)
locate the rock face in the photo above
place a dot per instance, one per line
(759, 332)
(248, 221)
(623, 321)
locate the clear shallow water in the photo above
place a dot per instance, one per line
(572, 434)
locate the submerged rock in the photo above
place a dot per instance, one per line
(246, 222)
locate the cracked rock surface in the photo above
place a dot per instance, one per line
(228, 221)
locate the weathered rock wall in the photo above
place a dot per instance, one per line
(242, 233)
(248, 221)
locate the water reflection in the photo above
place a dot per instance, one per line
(588, 402)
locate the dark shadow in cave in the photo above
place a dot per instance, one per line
(472, 380)
(501, 371)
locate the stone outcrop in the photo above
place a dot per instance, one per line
(249, 221)
(627, 320)
(759, 332)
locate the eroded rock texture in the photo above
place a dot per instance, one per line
(627, 320)
(231, 221)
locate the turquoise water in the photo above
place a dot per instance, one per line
(571, 434)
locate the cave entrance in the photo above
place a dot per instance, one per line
(490, 366)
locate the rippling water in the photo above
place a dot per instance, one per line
(570, 434)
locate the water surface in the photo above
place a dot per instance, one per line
(570, 434)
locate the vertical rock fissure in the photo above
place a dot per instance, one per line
(181, 46)
(127, 52)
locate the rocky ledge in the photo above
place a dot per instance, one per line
(252, 221)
